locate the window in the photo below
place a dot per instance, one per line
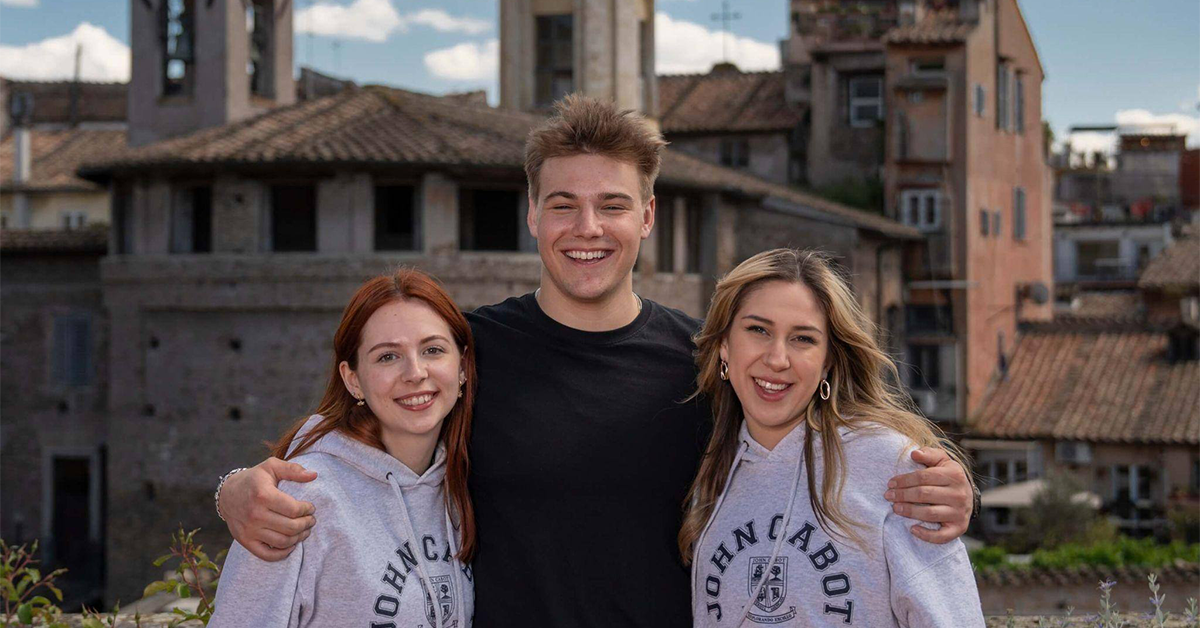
(3, 221)
(693, 226)
(866, 101)
(191, 220)
(293, 218)
(1132, 483)
(984, 222)
(489, 220)
(1098, 258)
(555, 69)
(1072, 452)
(1019, 214)
(122, 198)
(74, 219)
(922, 208)
(929, 67)
(1002, 79)
(980, 99)
(735, 152)
(996, 223)
(929, 319)
(71, 361)
(177, 23)
(1003, 517)
(396, 218)
(664, 230)
(259, 23)
(1019, 102)
(926, 366)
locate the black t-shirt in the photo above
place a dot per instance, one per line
(581, 455)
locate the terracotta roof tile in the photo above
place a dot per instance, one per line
(1098, 384)
(943, 27)
(378, 125)
(57, 155)
(93, 239)
(1177, 267)
(725, 100)
(1121, 304)
(52, 100)
(1022, 575)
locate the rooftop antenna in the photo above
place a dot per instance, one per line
(74, 110)
(725, 17)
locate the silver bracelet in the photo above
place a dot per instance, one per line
(220, 484)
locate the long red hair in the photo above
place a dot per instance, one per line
(341, 412)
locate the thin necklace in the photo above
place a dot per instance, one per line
(635, 295)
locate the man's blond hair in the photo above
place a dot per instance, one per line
(588, 126)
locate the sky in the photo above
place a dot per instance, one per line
(1106, 61)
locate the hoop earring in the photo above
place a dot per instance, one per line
(724, 372)
(824, 388)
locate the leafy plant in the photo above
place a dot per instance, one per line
(20, 581)
(195, 574)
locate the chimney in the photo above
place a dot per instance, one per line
(22, 152)
(21, 112)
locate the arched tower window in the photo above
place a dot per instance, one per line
(259, 25)
(178, 36)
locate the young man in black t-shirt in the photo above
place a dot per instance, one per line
(584, 443)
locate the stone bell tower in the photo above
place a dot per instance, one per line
(600, 48)
(204, 63)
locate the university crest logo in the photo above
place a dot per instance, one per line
(443, 591)
(775, 590)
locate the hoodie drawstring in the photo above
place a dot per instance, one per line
(787, 517)
(426, 583)
(455, 565)
(737, 459)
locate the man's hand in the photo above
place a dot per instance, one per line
(265, 520)
(939, 493)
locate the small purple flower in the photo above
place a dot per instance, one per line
(1107, 585)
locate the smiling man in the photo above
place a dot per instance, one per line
(582, 447)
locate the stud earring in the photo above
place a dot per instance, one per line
(825, 389)
(360, 402)
(724, 372)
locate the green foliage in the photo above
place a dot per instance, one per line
(20, 580)
(862, 194)
(195, 574)
(1055, 518)
(989, 556)
(1119, 553)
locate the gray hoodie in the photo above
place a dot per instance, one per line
(381, 553)
(764, 542)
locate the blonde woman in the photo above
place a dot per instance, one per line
(787, 524)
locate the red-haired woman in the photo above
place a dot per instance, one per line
(389, 445)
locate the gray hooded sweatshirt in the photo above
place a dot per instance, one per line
(763, 542)
(381, 554)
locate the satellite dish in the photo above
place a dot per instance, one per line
(1038, 292)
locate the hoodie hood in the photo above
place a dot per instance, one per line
(790, 448)
(371, 462)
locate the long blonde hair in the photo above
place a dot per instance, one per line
(862, 380)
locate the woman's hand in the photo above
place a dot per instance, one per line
(265, 520)
(940, 493)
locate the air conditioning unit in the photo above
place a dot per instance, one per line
(926, 400)
(1072, 452)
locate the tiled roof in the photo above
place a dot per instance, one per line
(93, 239)
(943, 27)
(1094, 383)
(382, 126)
(725, 100)
(1056, 576)
(1119, 304)
(56, 157)
(53, 100)
(1177, 267)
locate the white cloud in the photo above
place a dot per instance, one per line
(686, 47)
(376, 20)
(372, 20)
(444, 22)
(466, 62)
(19, 3)
(104, 57)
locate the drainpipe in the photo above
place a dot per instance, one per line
(22, 166)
